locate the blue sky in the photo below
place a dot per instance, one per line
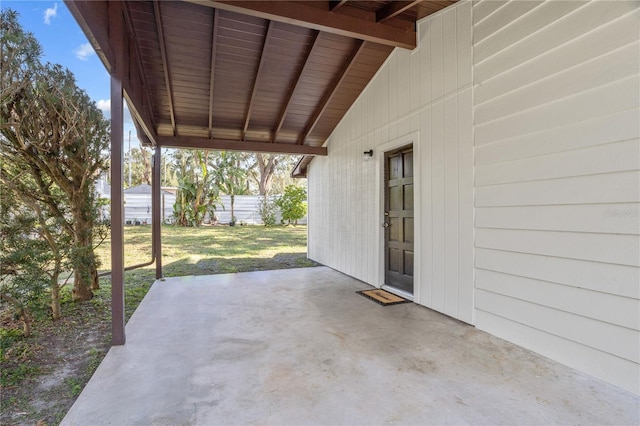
(63, 42)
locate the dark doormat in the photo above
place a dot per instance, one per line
(382, 297)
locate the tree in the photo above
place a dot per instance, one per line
(51, 131)
(271, 172)
(231, 176)
(167, 170)
(266, 165)
(198, 193)
(35, 252)
(138, 163)
(292, 203)
(21, 257)
(267, 211)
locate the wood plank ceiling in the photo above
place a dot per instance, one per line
(247, 75)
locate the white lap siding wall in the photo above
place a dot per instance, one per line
(556, 96)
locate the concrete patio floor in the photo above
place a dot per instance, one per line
(299, 346)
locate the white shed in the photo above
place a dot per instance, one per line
(137, 207)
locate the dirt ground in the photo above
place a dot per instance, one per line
(57, 361)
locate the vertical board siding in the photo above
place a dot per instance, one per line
(427, 90)
(451, 206)
(557, 183)
(466, 198)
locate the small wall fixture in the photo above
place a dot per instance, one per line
(367, 154)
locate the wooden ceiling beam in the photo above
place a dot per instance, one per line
(304, 15)
(214, 49)
(335, 5)
(259, 73)
(394, 9)
(333, 89)
(287, 103)
(193, 142)
(165, 66)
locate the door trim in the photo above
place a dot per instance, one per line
(408, 139)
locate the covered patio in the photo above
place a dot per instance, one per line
(296, 347)
(301, 347)
(253, 76)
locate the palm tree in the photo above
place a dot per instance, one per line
(198, 193)
(231, 176)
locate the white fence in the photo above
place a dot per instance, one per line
(138, 208)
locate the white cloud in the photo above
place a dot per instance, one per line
(105, 106)
(50, 13)
(84, 51)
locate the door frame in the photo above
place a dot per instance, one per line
(408, 139)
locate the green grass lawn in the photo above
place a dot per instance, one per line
(42, 375)
(204, 251)
(216, 250)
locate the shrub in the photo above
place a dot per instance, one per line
(267, 211)
(293, 204)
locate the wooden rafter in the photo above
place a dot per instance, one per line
(394, 9)
(304, 15)
(143, 76)
(163, 51)
(256, 80)
(214, 48)
(333, 89)
(335, 5)
(97, 26)
(287, 103)
(234, 145)
(308, 102)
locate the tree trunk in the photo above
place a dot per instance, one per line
(26, 322)
(146, 164)
(23, 314)
(85, 274)
(267, 167)
(95, 279)
(56, 312)
(233, 216)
